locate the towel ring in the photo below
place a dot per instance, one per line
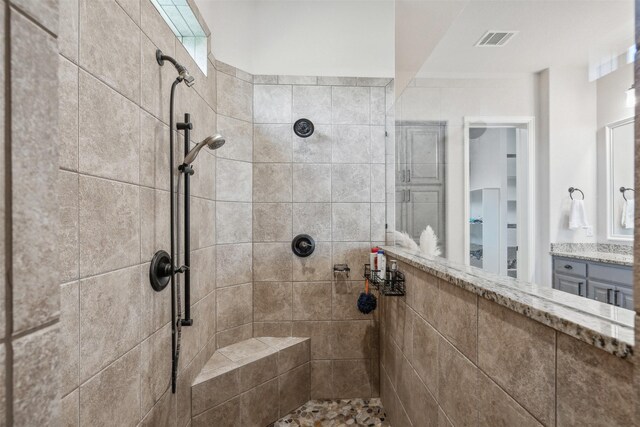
(572, 189)
(624, 189)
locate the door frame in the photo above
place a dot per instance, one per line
(526, 262)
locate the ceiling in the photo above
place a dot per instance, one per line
(551, 33)
(303, 37)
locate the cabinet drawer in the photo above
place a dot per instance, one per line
(609, 273)
(575, 268)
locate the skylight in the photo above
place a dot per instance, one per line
(184, 24)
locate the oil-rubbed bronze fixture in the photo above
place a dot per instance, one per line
(303, 128)
(303, 245)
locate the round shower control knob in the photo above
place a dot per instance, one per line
(303, 245)
(160, 270)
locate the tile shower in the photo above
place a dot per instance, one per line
(248, 200)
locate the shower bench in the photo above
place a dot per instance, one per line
(252, 383)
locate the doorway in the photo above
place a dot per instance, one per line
(499, 195)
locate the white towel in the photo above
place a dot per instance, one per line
(627, 214)
(577, 215)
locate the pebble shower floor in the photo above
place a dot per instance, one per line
(337, 413)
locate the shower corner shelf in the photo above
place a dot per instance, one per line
(386, 286)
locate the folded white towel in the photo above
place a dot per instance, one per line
(577, 215)
(627, 214)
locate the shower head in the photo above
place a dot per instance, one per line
(212, 142)
(183, 74)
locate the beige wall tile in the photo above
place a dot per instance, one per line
(337, 81)
(234, 222)
(203, 219)
(272, 222)
(272, 104)
(352, 339)
(272, 182)
(113, 396)
(203, 272)
(350, 105)
(239, 136)
(321, 379)
(235, 97)
(224, 415)
(420, 405)
(155, 228)
(313, 103)
(109, 132)
(234, 264)
(294, 355)
(311, 183)
(234, 335)
(351, 378)
(153, 99)
(272, 143)
(234, 306)
(593, 387)
(68, 112)
(313, 219)
(109, 225)
(519, 355)
(109, 318)
(422, 291)
(156, 306)
(233, 181)
(132, 7)
(344, 300)
(259, 371)
(355, 254)
(154, 152)
(297, 80)
(68, 29)
(35, 402)
(210, 393)
(69, 337)
(378, 105)
(457, 385)
(34, 66)
(67, 229)
(163, 414)
(272, 262)
(312, 300)
(272, 301)
(155, 368)
(350, 221)
(314, 149)
(70, 409)
(259, 406)
(350, 183)
(425, 353)
(272, 329)
(321, 334)
(316, 266)
(293, 389)
(498, 408)
(100, 46)
(351, 144)
(457, 318)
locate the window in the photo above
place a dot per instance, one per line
(184, 24)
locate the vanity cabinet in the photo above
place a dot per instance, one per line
(607, 283)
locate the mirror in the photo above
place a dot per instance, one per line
(620, 188)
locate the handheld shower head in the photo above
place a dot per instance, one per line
(183, 74)
(212, 142)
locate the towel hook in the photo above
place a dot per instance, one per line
(623, 189)
(572, 189)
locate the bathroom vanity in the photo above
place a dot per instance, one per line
(604, 277)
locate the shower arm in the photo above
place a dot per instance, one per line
(187, 170)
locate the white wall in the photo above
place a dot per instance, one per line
(611, 96)
(451, 100)
(307, 38)
(572, 150)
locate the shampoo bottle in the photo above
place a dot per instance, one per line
(382, 265)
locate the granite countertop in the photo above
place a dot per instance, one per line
(602, 325)
(597, 256)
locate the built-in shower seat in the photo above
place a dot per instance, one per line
(252, 383)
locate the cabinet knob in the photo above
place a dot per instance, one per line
(568, 267)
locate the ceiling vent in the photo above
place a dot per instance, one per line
(495, 38)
